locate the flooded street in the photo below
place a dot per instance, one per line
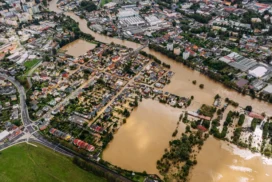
(141, 141)
(219, 162)
(78, 47)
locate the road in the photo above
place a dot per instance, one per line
(29, 74)
(31, 134)
(36, 137)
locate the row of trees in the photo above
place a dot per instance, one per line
(97, 170)
(155, 59)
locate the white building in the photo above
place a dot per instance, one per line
(125, 13)
(3, 135)
(185, 55)
(110, 5)
(153, 20)
(170, 46)
(132, 21)
(268, 89)
(258, 72)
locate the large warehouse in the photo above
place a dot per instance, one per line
(126, 13)
(258, 72)
(132, 21)
(153, 20)
(239, 62)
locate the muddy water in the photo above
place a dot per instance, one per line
(219, 162)
(78, 47)
(141, 141)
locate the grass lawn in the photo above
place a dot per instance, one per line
(27, 163)
(103, 2)
(29, 64)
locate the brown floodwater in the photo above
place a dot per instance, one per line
(141, 141)
(78, 47)
(220, 162)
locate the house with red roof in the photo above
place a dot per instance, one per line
(90, 148)
(201, 128)
(83, 145)
(115, 58)
(256, 115)
(65, 75)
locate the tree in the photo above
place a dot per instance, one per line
(126, 113)
(187, 129)
(44, 2)
(194, 82)
(201, 86)
(46, 58)
(217, 96)
(248, 108)
(254, 123)
(88, 5)
(241, 120)
(174, 23)
(136, 102)
(54, 51)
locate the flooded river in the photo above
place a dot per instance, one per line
(141, 141)
(84, 47)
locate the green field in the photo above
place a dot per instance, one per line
(30, 64)
(26, 163)
(103, 2)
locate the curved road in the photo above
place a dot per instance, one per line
(37, 138)
(27, 121)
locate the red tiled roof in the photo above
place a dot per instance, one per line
(202, 128)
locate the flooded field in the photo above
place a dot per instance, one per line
(141, 141)
(220, 162)
(78, 47)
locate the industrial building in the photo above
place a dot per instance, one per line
(258, 71)
(153, 20)
(126, 13)
(239, 62)
(268, 89)
(132, 21)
